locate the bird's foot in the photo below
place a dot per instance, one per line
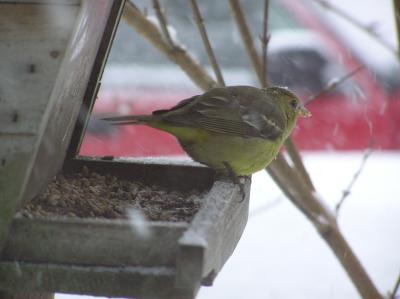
(236, 180)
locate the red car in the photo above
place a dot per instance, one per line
(304, 54)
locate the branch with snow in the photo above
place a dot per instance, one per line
(163, 22)
(178, 54)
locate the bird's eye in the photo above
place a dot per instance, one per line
(293, 104)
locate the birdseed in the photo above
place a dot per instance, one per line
(92, 195)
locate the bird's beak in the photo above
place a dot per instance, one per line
(303, 111)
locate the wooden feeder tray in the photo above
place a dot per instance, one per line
(96, 256)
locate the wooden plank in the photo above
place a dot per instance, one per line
(92, 242)
(67, 95)
(32, 44)
(79, 255)
(19, 295)
(212, 235)
(45, 137)
(128, 281)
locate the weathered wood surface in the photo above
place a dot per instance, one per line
(32, 46)
(68, 92)
(129, 281)
(19, 295)
(108, 257)
(213, 234)
(93, 242)
(50, 50)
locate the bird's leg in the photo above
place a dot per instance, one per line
(235, 179)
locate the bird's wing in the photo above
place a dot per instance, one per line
(265, 118)
(226, 113)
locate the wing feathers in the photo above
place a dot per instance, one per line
(241, 111)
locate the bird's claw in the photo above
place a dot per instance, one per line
(242, 192)
(235, 179)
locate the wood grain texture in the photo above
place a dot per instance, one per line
(33, 40)
(92, 242)
(50, 50)
(19, 295)
(108, 257)
(124, 281)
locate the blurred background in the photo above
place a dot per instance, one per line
(310, 47)
(280, 255)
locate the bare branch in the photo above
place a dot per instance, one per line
(237, 13)
(334, 83)
(395, 288)
(298, 163)
(367, 29)
(396, 9)
(347, 191)
(264, 42)
(163, 23)
(147, 29)
(210, 53)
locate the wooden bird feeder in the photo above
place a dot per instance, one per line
(53, 54)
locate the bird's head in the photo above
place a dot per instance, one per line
(289, 102)
(290, 106)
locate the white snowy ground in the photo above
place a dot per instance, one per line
(280, 254)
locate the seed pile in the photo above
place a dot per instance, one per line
(92, 195)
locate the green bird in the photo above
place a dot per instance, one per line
(236, 130)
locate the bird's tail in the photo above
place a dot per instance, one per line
(130, 119)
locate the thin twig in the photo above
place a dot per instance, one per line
(178, 55)
(396, 9)
(237, 13)
(264, 42)
(368, 29)
(298, 163)
(163, 23)
(334, 83)
(210, 53)
(396, 288)
(347, 191)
